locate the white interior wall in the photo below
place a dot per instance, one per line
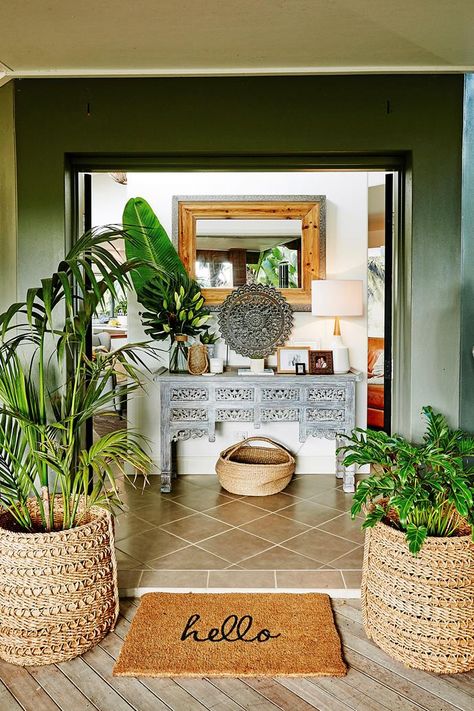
(346, 236)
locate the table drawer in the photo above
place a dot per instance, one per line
(281, 394)
(178, 394)
(325, 393)
(188, 414)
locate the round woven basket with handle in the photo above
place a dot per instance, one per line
(58, 590)
(419, 609)
(255, 471)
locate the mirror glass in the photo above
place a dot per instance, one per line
(232, 252)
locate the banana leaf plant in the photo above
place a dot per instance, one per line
(50, 386)
(172, 300)
(423, 489)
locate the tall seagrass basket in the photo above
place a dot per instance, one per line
(255, 471)
(58, 590)
(420, 609)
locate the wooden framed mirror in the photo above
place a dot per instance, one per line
(227, 241)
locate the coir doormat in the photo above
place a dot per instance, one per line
(232, 634)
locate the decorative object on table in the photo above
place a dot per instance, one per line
(216, 365)
(198, 361)
(292, 229)
(255, 471)
(233, 634)
(248, 372)
(257, 365)
(58, 583)
(254, 320)
(337, 298)
(321, 363)
(289, 356)
(300, 369)
(174, 306)
(418, 571)
(209, 339)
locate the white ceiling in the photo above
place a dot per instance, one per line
(213, 37)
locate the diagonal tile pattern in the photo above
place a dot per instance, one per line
(301, 538)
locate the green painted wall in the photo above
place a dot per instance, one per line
(273, 116)
(467, 276)
(8, 212)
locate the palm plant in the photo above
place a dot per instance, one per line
(423, 489)
(50, 386)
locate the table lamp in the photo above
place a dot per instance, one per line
(331, 297)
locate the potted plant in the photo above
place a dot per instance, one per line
(418, 569)
(58, 587)
(174, 306)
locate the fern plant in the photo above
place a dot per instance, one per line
(424, 489)
(50, 386)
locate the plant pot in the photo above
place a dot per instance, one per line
(419, 609)
(58, 590)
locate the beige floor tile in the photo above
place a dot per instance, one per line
(234, 545)
(232, 579)
(195, 528)
(174, 579)
(160, 511)
(308, 485)
(202, 499)
(127, 524)
(320, 545)
(335, 498)
(126, 562)
(309, 512)
(278, 558)
(236, 513)
(129, 578)
(345, 527)
(352, 559)
(270, 503)
(150, 545)
(309, 579)
(352, 578)
(190, 558)
(275, 528)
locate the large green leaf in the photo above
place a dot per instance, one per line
(147, 240)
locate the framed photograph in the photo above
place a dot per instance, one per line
(300, 369)
(289, 356)
(321, 363)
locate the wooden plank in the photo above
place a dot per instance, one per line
(278, 694)
(209, 696)
(369, 693)
(129, 688)
(62, 691)
(93, 686)
(353, 698)
(247, 697)
(393, 681)
(314, 695)
(7, 701)
(25, 689)
(354, 638)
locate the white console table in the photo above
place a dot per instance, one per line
(192, 406)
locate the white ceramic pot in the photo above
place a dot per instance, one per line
(257, 365)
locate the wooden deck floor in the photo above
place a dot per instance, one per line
(374, 683)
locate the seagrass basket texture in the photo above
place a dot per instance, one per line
(420, 610)
(58, 590)
(255, 471)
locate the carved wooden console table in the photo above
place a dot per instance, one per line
(192, 406)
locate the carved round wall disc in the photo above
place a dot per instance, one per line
(254, 320)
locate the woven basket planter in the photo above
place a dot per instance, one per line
(58, 590)
(255, 471)
(420, 609)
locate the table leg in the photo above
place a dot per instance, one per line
(166, 462)
(347, 474)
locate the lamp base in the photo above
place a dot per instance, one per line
(340, 355)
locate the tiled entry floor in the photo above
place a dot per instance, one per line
(201, 536)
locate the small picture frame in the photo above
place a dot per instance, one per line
(289, 356)
(321, 363)
(300, 369)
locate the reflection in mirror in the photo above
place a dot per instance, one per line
(233, 252)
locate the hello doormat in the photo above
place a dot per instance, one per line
(232, 634)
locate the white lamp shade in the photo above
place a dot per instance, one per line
(331, 297)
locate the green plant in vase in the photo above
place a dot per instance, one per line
(173, 303)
